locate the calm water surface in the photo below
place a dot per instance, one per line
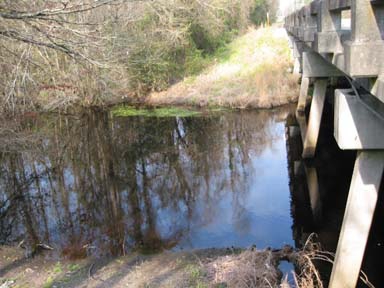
(100, 185)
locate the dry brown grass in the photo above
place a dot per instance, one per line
(246, 270)
(309, 276)
(259, 268)
(254, 73)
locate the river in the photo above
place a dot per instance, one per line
(97, 184)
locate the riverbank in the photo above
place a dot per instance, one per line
(251, 72)
(200, 268)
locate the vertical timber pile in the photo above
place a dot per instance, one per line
(323, 51)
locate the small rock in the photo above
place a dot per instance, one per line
(29, 270)
(7, 284)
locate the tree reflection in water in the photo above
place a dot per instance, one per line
(99, 185)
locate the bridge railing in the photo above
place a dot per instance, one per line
(359, 51)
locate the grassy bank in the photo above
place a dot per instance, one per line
(251, 72)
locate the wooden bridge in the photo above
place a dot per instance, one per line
(337, 41)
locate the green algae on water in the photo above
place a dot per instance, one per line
(130, 111)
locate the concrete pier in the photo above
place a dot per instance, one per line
(356, 126)
(303, 94)
(330, 52)
(357, 222)
(313, 129)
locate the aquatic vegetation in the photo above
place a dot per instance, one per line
(129, 111)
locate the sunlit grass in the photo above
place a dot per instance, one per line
(252, 71)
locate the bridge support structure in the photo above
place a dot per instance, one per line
(358, 216)
(317, 69)
(326, 51)
(357, 127)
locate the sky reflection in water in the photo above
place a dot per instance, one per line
(99, 185)
(258, 215)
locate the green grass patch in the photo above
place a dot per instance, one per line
(48, 282)
(58, 268)
(129, 111)
(196, 276)
(213, 108)
(73, 267)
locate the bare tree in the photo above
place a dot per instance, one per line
(38, 39)
(54, 54)
(58, 25)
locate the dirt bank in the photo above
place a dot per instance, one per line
(201, 268)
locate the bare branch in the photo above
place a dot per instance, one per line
(17, 36)
(43, 14)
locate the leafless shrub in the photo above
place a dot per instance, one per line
(106, 49)
(49, 43)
